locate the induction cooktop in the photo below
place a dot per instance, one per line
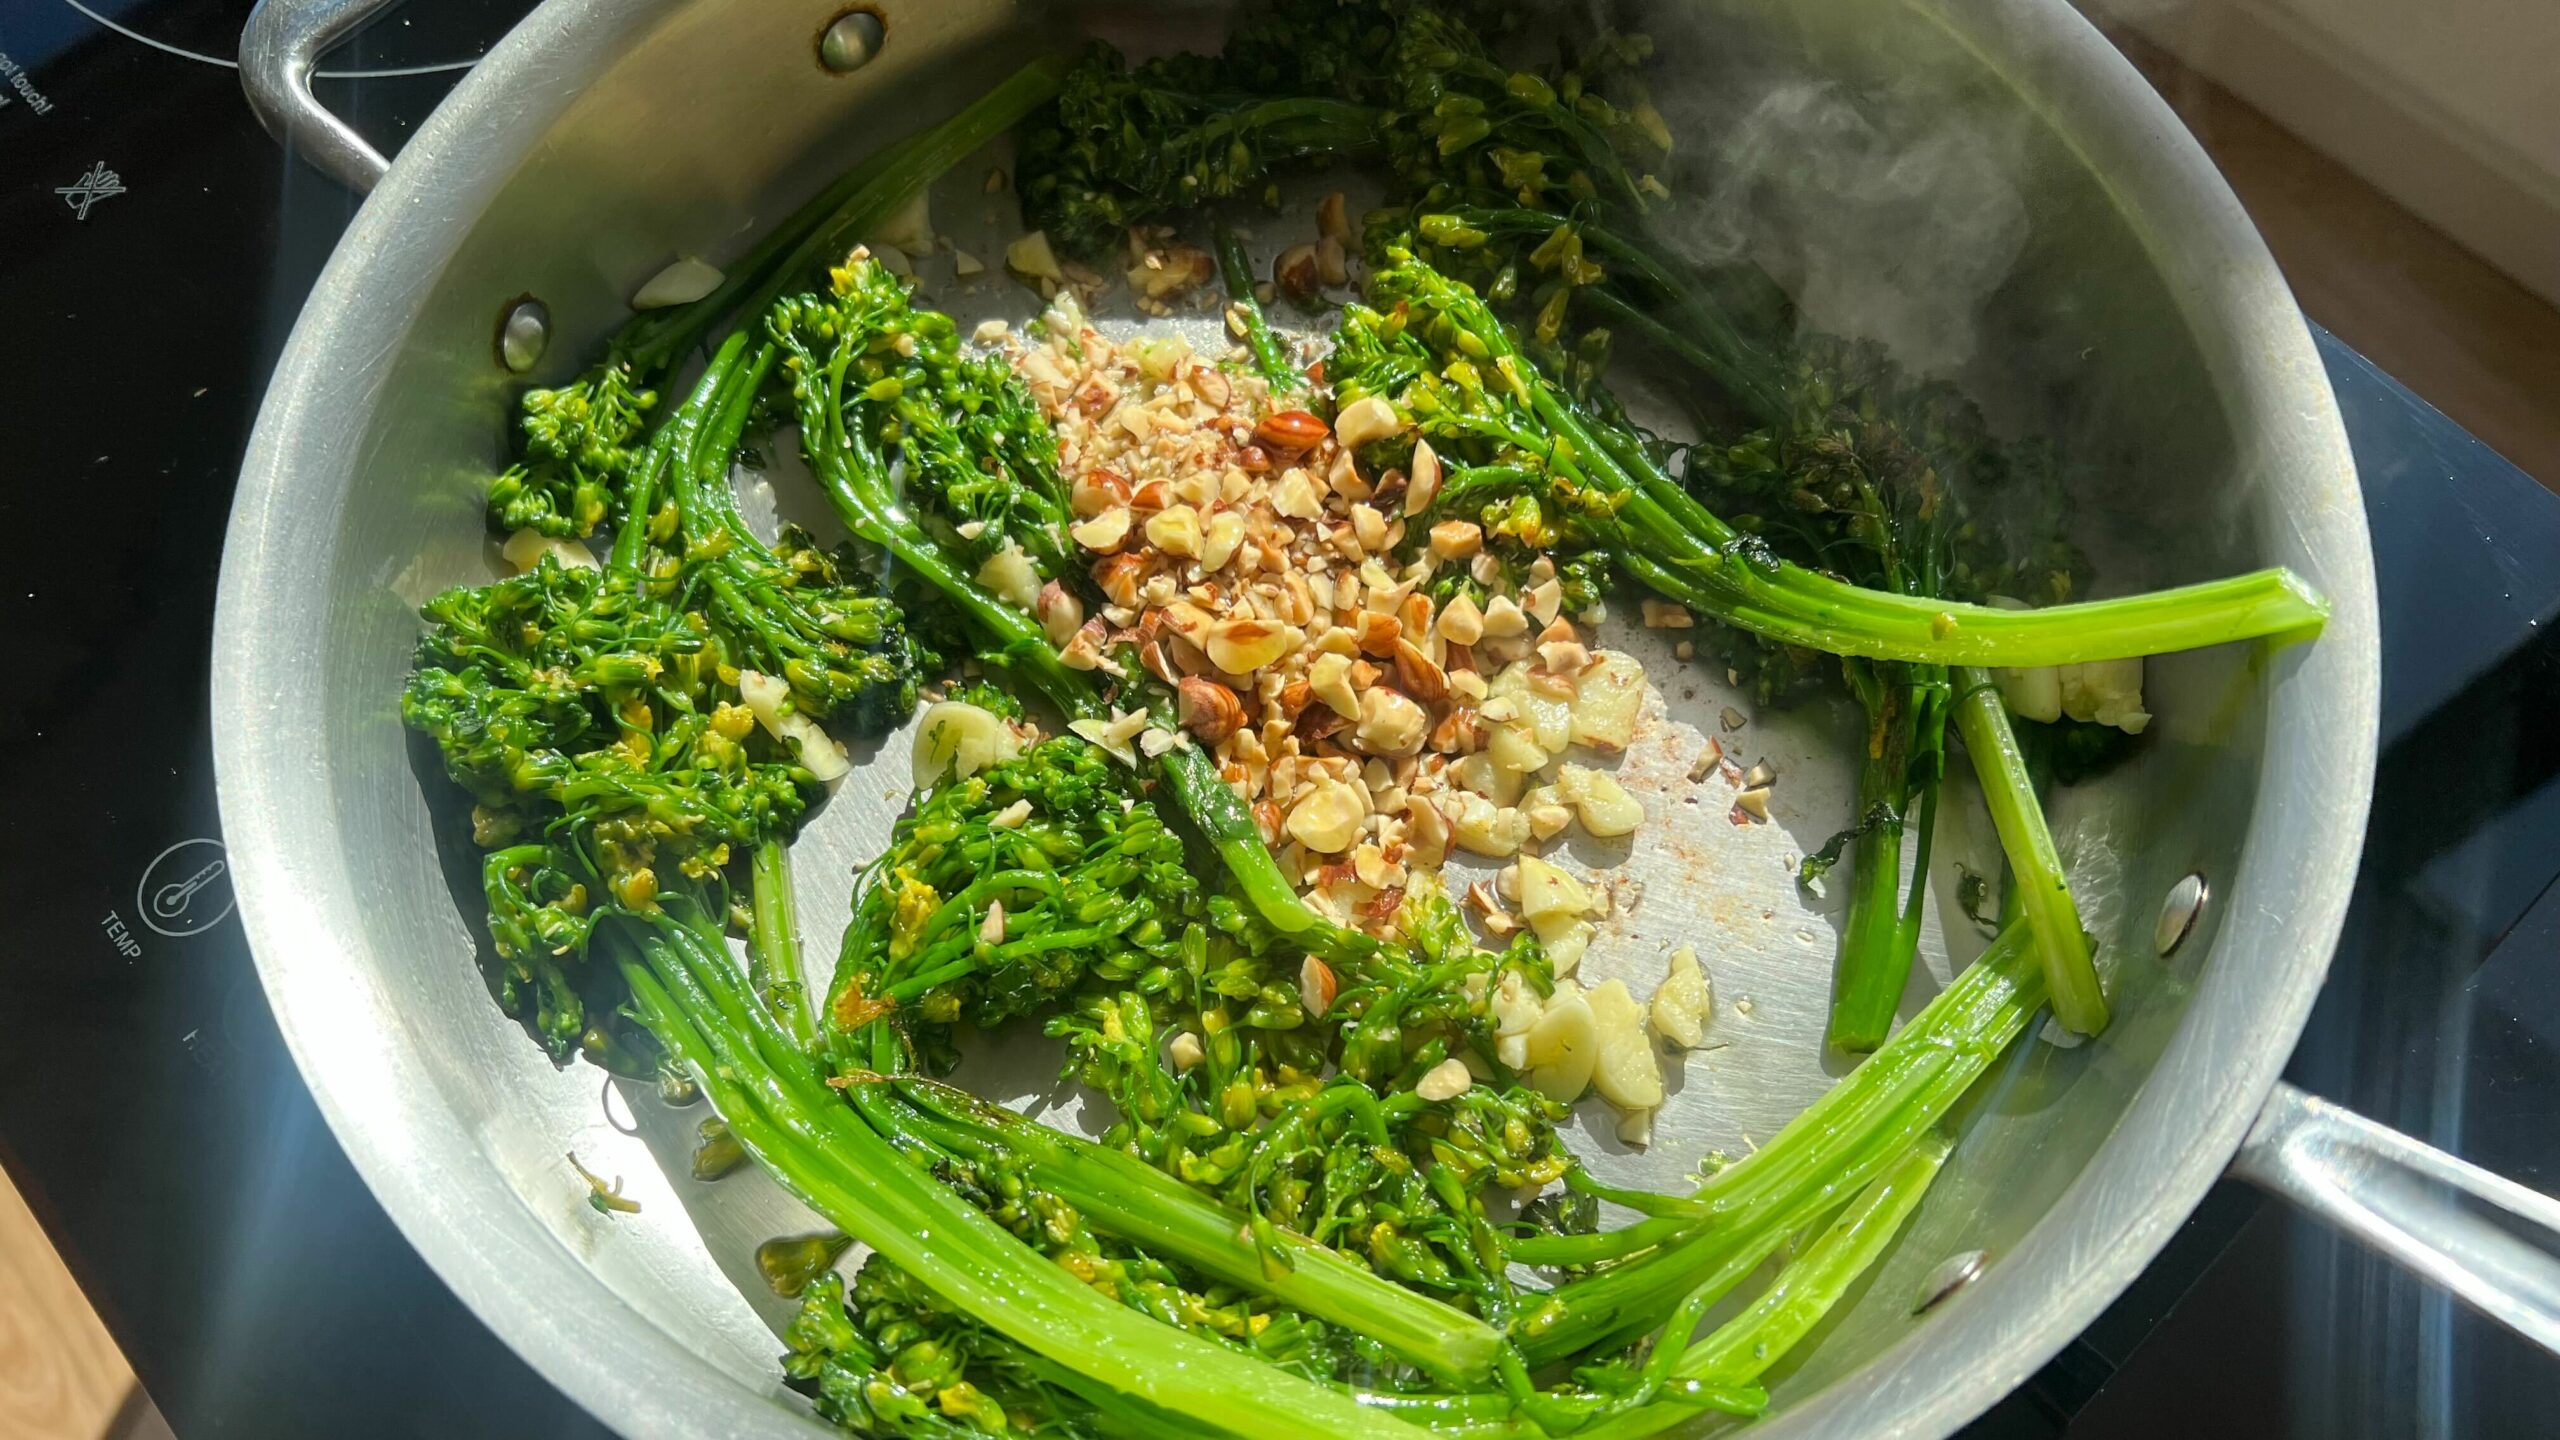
(154, 248)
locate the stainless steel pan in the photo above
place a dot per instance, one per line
(2141, 321)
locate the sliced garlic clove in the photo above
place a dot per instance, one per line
(1548, 894)
(954, 737)
(1564, 1046)
(1681, 1002)
(681, 283)
(768, 698)
(1608, 698)
(1627, 1073)
(525, 549)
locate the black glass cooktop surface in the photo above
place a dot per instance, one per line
(154, 247)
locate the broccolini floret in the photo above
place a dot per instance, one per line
(962, 919)
(580, 438)
(605, 706)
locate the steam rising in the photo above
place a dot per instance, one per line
(1888, 213)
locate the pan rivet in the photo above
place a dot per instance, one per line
(2178, 912)
(523, 334)
(851, 41)
(1952, 1274)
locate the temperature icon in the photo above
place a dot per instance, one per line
(186, 889)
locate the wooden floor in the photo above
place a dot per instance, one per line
(61, 1377)
(2479, 346)
(2453, 328)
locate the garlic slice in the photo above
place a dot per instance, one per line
(767, 698)
(954, 737)
(681, 283)
(1564, 1046)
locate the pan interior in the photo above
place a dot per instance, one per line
(1965, 225)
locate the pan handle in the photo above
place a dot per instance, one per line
(279, 48)
(2489, 1240)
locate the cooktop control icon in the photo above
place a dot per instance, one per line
(186, 889)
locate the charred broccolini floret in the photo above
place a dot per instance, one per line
(1409, 84)
(1305, 83)
(1124, 145)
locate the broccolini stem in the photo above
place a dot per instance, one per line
(1912, 907)
(1213, 805)
(640, 488)
(1844, 1139)
(1599, 1245)
(1297, 127)
(1740, 1350)
(1882, 933)
(1643, 1202)
(1757, 396)
(1270, 353)
(2079, 1000)
(1123, 1195)
(773, 946)
(1672, 542)
(1618, 1306)
(1874, 962)
(1493, 1414)
(1799, 607)
(1805, 1291)
(853, 1176)
(1718, 1371)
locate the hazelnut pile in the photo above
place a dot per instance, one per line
(1279, 589)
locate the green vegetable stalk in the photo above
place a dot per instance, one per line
(1856, 1131)
(1804, 1292)
(1270, 352)
(688, 995)
(1451, 367)
(1090, 892)
(2044, 896)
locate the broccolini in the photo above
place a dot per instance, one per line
(1286, 1224)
